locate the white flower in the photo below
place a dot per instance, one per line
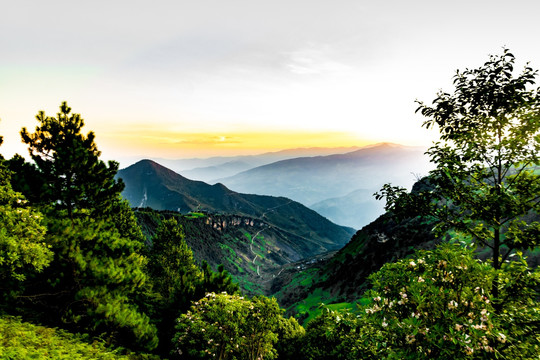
(410, 339)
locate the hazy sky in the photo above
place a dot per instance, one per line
(194, 78)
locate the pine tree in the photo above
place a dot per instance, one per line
(175, 276)
(97, 279)
(69, 163)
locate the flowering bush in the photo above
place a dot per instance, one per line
(439, 305)
(221, 326)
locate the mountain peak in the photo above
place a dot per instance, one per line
(148, 184)
(150, 167)
(145, 163)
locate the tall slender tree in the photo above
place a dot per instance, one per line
(177, 279)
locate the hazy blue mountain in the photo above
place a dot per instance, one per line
(149, 184)
(186, 165)
(355, 209)
(210, 173)
(312, 180)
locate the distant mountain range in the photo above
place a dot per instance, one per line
(337, 183)
(210, 169)
(355, 209)
(149, 184)
(338, 186)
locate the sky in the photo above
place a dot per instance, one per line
(180, 79)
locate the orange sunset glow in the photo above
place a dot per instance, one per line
(179, 144)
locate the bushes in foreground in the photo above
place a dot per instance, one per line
(437, 305)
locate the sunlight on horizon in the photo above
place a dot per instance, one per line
(158, 143)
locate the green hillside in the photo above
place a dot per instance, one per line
(148, 184)
(341, 279)
(251, 250)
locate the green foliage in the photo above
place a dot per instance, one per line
(22, 340)
(221, 326)
(95, 277)
(332, 335)
(290, 335)
(177, 279)
(436, 305)
(69, 164)
(172, 264)
(485, 182)
(26, 178)
(195, 215)
(22, 246)
(217, 281)
(125, 221)
(175, 276)
(315, 303)
(439, 305)
(96, 282)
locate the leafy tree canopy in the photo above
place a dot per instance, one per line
(97, 279)
(486, 182)
(23, 340)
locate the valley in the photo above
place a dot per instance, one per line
(274, 245)
(255, 252)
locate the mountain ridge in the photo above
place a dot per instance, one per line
(312, 180)
(162, 189)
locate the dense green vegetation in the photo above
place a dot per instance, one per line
(22, 340)
(84, 276)
(250, 249)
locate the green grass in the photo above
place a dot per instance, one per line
(23, 340)
(194, 215)
(249, 286)
(314, 304)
